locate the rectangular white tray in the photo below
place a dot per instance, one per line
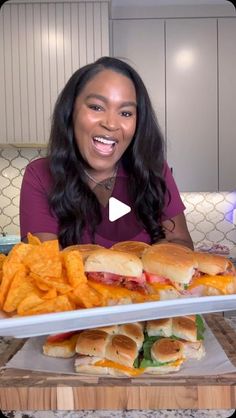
(54, 323)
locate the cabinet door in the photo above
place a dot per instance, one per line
(41, 45)
(227, 103)
(191, 103)
(141, 43)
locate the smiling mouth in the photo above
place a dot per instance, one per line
(104, 145)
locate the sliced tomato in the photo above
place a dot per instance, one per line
(61, 337)
(153, 278)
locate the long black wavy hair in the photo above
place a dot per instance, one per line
(71, 199)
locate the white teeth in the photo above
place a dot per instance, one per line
(104, 141)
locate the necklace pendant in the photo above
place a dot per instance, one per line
(108, 186)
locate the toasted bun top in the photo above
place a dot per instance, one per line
(184, 328)
(212, 264)
(167, 349)
(168, 246)
(116, 262)
(133, 331)
(84, 249)
(161, 327)
(121, 349)
(115, 347)
(171, 261)
(110, 329)
(134, 247)
(92, 342)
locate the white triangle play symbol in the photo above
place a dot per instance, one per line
(117, 209)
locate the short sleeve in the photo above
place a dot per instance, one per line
(35, 213)
(173, 202)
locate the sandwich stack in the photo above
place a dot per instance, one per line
(157, 347)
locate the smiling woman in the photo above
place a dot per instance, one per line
(105, 121)
(105, 141)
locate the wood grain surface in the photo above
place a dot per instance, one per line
(26, 390)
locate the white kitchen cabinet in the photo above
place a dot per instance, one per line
(191, 103)
(41, 45)
(177, 59)
(141, 43)
(227, 103)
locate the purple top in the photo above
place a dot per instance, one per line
(36, 216)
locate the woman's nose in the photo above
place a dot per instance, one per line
(109, 121)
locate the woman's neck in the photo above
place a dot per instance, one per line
(99, 176)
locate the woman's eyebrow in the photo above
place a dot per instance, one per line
(105, 100)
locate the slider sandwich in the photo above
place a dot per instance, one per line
(117, 276)
(162, 355)
(170, 341)
(178, 271)
(156, 347)
(61, 345)
(100, 352)
(215, 275)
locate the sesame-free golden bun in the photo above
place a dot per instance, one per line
(184, 328)
(134, 247)
(84, 249)
(167, 349)
(92, 342)
(212, 264)
(159, 327)
(116, 262)
(133, 331)
(172, 261)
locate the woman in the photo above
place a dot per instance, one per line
(104, 142)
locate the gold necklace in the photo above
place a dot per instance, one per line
(107, 183)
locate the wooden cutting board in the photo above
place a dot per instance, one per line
(26, 390)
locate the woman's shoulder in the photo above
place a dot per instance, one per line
(39, 169)
(40, 164)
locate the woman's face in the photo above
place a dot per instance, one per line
(105, 119)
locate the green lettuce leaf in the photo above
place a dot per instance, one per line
(151, 363)
(200, 327)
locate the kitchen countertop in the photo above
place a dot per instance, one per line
(167, 413)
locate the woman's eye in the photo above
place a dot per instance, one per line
(126, 113)
(95, 107)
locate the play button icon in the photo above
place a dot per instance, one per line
(117, 209)
(119, 221)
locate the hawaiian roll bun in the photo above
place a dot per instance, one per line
(213, 264)
(133, 331)
(121, 349)
(92, 342)
(184, 328)
(167, 350)
(134, 247)
(110, 329)
(116, 262)
(171, 261)
(84, 249)
(159, 327)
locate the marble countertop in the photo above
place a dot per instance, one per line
(167, 413)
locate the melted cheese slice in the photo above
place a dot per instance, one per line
(130, 370)
(114, 365)
(117, 292)
(177, 363)
(218, 282)
(161, 286)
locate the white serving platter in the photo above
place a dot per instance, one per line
(54, 323)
